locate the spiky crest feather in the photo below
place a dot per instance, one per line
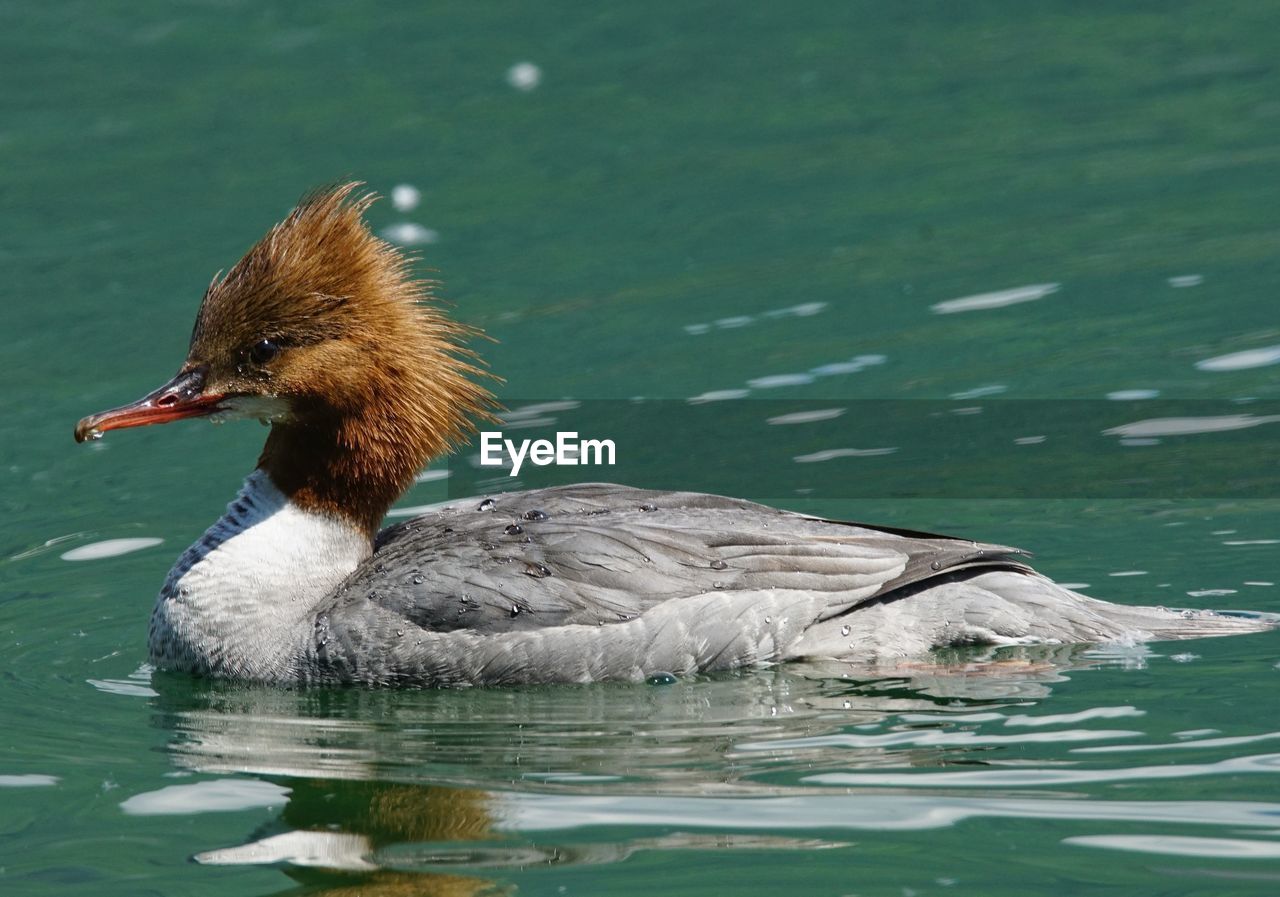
(378, 378)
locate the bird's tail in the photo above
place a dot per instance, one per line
(1054, 612)
(1007, 607)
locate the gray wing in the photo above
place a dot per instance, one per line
(597, 582)
(600, 554)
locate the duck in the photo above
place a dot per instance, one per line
(323, 331)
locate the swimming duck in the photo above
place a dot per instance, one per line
(322, 331)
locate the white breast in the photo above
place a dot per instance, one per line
(240, 601)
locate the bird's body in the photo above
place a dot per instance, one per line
(320, 331)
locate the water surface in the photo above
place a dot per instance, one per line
(679, 202)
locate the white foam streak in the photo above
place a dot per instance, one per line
(410, 233)
(831, 454)
(1058, 719)
(774, 381)
(109, 548)
(1229, 741)
(1133, 395)
(1183, 426)
(862, 811)
(930, 738)
(216, 796)
(1239, 361)
(123, 687)
(998, 299)
(718, 395)
(1027, 778)
(806, 417)
(1182, 846)
(27, 781)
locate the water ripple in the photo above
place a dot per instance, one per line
(109, 548)
(216, 796)
(872, 812)
(1182, 846)
(998, 299)
(1238, 361)
(937, 738)
(1230, 741)
(1018, 778)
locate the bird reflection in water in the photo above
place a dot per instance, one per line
(439, 792)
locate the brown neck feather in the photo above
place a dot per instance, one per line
(312, 466)
(349, 467)
(355, 461)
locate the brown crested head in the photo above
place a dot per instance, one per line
(322, 329)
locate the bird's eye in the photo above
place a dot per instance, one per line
(263, 351)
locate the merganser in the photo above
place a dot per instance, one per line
(322, 331)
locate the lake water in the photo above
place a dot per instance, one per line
(669, 201)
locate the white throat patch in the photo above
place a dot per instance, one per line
(239, 601)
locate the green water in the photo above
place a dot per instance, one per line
(678, 165)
